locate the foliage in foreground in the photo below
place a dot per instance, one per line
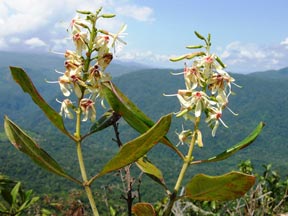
(269, 196)
(14, 200)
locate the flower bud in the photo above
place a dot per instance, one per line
(83, 12)
(199, 35)
(184, 136)
(108, 15)
(175, 59)
(194, 47)
(195, 54)
(220, 62)
(199, 138)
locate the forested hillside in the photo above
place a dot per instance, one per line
(260, 99)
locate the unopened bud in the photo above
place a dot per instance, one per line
(108, 15)
(83, 12)
(195, 54)
(199, 35)
(179, 58)
(199, 138)
(194, 47)
(220, 62)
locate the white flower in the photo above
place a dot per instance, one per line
(66, 108)
(184, 136)
(88, 109)
(77, 23)
(80, 40)
(214, 117)
(69, 81)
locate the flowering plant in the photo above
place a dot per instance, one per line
(208, 87)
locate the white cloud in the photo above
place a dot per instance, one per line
(35, 42)
(3, 43)
(24, 16)
(18, 16)
(14, 40)
(48, 19)
(146, 57)
(136, 12)
(285, 42)
(248, 57)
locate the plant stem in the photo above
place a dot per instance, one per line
(186, 163)
(82, 165)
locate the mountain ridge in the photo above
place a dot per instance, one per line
(260, 99)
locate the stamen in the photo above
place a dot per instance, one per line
(58, 101)
(223, 123)
(55, 52)
(236, 114)
(237, 85)
(169, 95)
(47, 81)
(59, 72)
(177, 73)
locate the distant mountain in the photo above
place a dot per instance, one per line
(41, 67)
(48, 62)
(272, 74)
(260, 99)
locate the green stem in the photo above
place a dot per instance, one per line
(186, 163)
(82, 165)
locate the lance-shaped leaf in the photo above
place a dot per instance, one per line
(20, 77)
(143, 209)
(106, 120)
(229, 186)
(150, 170)
(243, 144)
(27, 145)
(137, 148)
(130, 112)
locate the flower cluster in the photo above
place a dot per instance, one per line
(85, 66)
(208, 87)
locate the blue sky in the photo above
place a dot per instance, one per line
(249, 35)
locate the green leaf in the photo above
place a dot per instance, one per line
(143, 209)
(6, 183)
(14, 194)
(28, 203)
(130, 112)
(225, 187)
(22, 79)
(112, 211)
(137, 148)
(27, 145)
(106, 120)
(151, 170)
(243, 144)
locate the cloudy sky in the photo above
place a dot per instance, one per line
(249, 35)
